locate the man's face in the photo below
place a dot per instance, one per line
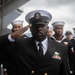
(50, 33)
(39, 31)
(58, 30)
(68, 36)
(16, 27)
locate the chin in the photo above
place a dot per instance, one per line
(40, 38)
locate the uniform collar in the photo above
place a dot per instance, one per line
(59, 40)
(44, 42)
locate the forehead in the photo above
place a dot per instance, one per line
(50, 30)
(58, 26)
(17, 25)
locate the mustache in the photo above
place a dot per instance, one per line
(40, 32)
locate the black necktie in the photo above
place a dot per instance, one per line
(40, 49)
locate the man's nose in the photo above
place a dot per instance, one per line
(39, 28)
(17, 28)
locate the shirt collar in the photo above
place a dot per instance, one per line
(44, 42)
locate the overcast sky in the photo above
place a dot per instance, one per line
(61, 10)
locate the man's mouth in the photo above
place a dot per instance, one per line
(39, 33)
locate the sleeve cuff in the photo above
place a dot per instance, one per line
(10, 38)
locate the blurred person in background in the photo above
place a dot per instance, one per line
(70, 37)
(50, 32)
(16, 25)
(59, 37)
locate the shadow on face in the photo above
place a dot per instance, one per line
(39, 31)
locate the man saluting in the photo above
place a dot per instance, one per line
(38, 55)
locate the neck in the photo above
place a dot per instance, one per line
(58, 37)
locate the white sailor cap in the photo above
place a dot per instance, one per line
(17, 22)
(38, 16)
(61, 23)
(50, 28)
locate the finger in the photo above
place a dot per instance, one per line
(29, 25)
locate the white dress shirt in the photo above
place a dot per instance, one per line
(45, 45)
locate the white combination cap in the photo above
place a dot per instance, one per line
(38, 15)
(50, 28)
(17, 22)
(60, 23)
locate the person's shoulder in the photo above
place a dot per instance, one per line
(53, 41)
(59, 45)
(23, 40)
(73, 40)
(4, 36)
(65, 40)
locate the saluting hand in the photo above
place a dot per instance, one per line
(18, 33)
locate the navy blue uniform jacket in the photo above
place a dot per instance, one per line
(25, 56)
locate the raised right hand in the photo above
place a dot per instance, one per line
(18, 33)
